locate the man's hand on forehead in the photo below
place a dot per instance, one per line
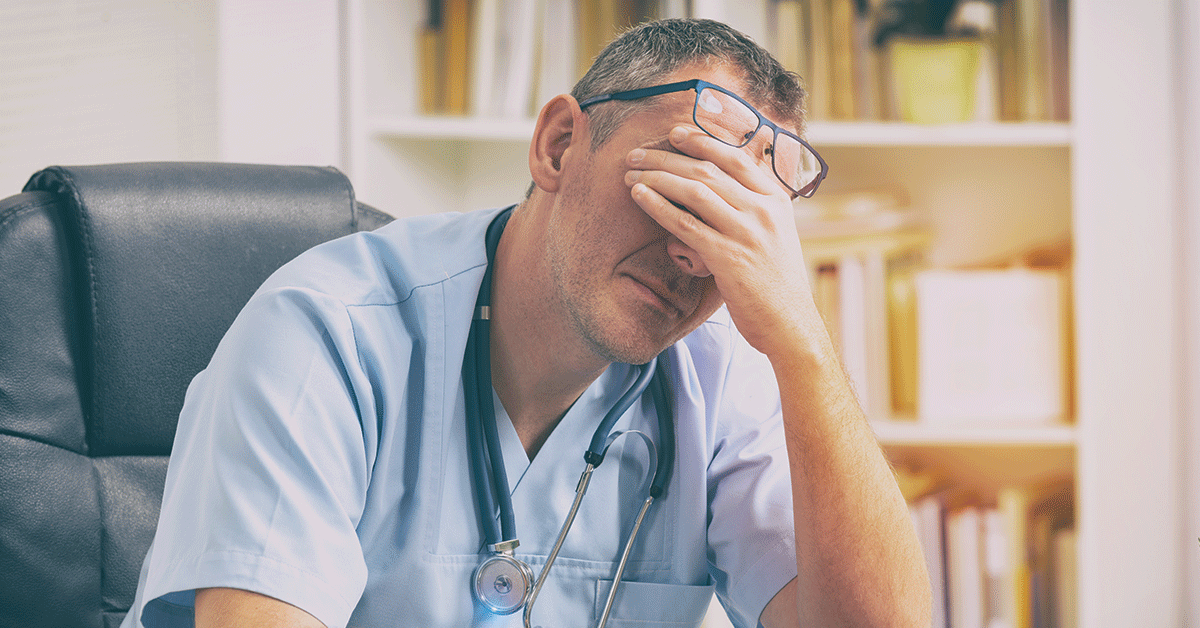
(737, 218)
(692, 154)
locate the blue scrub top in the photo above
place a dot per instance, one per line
(321, 459)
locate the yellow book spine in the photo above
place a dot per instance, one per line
(458, 19)
(430, 57)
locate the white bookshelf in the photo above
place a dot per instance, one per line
(1104, 180)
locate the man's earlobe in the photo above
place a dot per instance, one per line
(558, 128)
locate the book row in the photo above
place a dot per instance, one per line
(912, 60)
(502, 58)
(1011, 563)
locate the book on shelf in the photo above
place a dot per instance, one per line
(516, 57)
(1031, 59)
(556, 63)
(1066, 580)
(789, 35)
(928, 515)
(431, 61)
(867, 87)
(820, 79)
(862, 249)
(967, 582)
(485, 29)
(456, 19)
(842, 39)
(901, 273)
(854, 329)
(1058, 59)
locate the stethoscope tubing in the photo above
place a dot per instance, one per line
(484, 442)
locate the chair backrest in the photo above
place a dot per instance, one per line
(116, 283)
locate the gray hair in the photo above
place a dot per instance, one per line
(641, 56)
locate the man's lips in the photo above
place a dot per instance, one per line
(660, 292)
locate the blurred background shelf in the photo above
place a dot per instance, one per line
(1033, 134)
(904, 433)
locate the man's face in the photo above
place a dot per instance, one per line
(626, 284)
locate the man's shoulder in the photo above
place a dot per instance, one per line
(387, 265)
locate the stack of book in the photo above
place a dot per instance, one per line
(1009, 562)
(503, 58)
(842, 48)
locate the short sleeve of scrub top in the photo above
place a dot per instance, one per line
(274, 475)
(320, 460)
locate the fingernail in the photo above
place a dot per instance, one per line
(636, 156)
(632, 176)
(678, 134)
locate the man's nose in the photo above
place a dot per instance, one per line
(686, 258)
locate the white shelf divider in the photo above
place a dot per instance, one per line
(901, 433)
(819, 133)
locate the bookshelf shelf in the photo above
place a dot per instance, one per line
(972, 134)
(1049, 134)
(452, 128)
(897, 433)
(984, 469)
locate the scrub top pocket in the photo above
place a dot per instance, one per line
(652, 604)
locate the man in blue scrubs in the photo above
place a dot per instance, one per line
(321, 470)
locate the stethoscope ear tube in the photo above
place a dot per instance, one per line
(666, 428)
(595, 453)
(485, 499)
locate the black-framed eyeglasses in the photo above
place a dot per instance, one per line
(729, 118)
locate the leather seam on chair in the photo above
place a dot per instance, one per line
(101, 504)
(39, 440)
(375, 213)
(17, 211)
(84, 224)
(348, 191)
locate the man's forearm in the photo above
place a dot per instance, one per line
(236, 608)
(858, 557)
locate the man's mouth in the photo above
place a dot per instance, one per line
(666, 297)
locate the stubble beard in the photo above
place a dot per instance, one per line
(579, 285)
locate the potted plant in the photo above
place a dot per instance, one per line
(936, 51)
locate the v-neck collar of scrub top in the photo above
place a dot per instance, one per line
(555, 469)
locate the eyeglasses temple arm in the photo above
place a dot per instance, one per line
(644, 92)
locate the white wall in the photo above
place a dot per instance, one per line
(279, 78)
(1188, 69)
(94, 81)
(101, 81)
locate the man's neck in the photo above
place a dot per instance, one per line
(539, 367)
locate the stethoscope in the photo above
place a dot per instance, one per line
(503, 583)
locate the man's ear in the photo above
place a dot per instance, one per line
(561, 127)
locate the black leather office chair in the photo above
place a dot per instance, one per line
(116, 282)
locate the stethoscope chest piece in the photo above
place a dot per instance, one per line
(503, 582)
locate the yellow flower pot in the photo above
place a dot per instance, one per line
(934, 79)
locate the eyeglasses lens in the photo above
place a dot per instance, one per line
(731, 121)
